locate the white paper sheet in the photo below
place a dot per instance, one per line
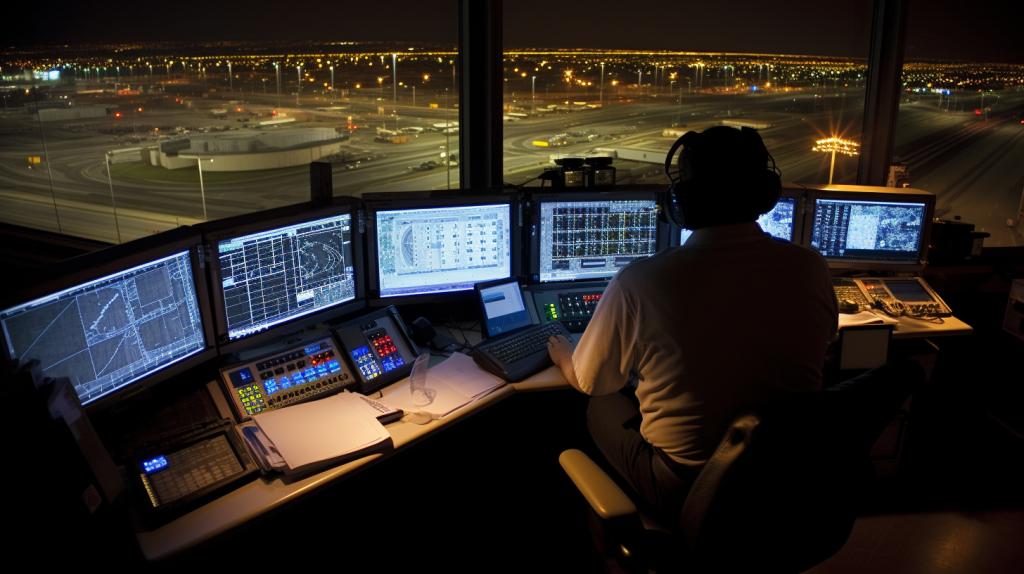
(865, 318)
(321, 430)
(454, 380)
(464, 375)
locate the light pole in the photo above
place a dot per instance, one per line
(332, 79)
(117, 226)
(264, 86)
(447, 139)
(202, 190)
(298, 92)
(277, 70)
(600, 90)
(533, 95)
(833, 145)
(394, 76)
(231, 79)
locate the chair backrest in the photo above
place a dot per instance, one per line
(781, 492)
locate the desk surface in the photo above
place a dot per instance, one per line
(262, 495)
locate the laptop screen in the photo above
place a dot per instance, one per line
(503, 307)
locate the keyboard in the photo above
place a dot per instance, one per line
(852, 292)
(193, 470)
(518, 356)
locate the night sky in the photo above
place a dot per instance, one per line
(943, 29)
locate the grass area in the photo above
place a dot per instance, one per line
(145, 173)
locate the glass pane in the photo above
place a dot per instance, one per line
(169, 132)
(960, 132)
(626, 88)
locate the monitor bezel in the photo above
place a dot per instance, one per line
(872, 193)
(533, 207)
(118, 258)
(426, 200)
(261, 221)
(793, 190)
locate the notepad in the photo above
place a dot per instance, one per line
(458, 382)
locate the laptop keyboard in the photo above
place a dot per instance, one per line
(524, 344)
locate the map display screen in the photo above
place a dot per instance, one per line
(778, 222)
(282, 274)
(442, 249)
(105, 334)
(594, 239)
(882, 231)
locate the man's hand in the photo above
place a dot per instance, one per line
(560, 350)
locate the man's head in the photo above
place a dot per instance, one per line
(724, 177)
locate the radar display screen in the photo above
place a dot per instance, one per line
(106, 334)
(594, 239)
(279, 275)
(778, 222)
(442, 249)
(880, 231)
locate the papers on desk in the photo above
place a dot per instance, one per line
(865, 318)
(315, 435)
(458, 382)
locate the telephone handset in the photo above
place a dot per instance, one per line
(378, 347)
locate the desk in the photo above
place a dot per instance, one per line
(261, 495)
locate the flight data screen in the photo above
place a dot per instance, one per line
(778, 222)
(868, 230)
(442, 249)
(594, 239)
(282, 274)
(108, 333)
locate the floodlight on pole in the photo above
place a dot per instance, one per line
(833, 145)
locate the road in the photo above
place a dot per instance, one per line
(973, 166)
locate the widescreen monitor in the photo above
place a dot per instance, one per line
(423, 248)
(590, 236)
(116, 321)
(781, 222)
(880, 231)
(276, 272)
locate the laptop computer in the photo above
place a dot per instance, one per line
(514, 346)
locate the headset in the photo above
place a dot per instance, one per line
(691, 197)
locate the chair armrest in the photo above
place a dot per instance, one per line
(604, 496)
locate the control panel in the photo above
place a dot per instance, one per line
(312, 370)
(573, 307)
(379, 347)
(910, 296)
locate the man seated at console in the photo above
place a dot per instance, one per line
(730, 320)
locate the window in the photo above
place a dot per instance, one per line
(960, 132)
(619, 83)
(171, 118)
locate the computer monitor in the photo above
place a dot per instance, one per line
(590, 236)
(422, 248)
(784, 221)
(275, 272)
(870, 227)
(116, 321)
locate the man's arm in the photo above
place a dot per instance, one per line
(601, 361)
(561, 355)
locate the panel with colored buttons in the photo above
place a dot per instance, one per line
(308, 371)
(379, 347)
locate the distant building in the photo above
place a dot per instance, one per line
(248, 150)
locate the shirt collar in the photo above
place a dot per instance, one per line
(727, 234)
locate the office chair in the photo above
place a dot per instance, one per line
(779, 494)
